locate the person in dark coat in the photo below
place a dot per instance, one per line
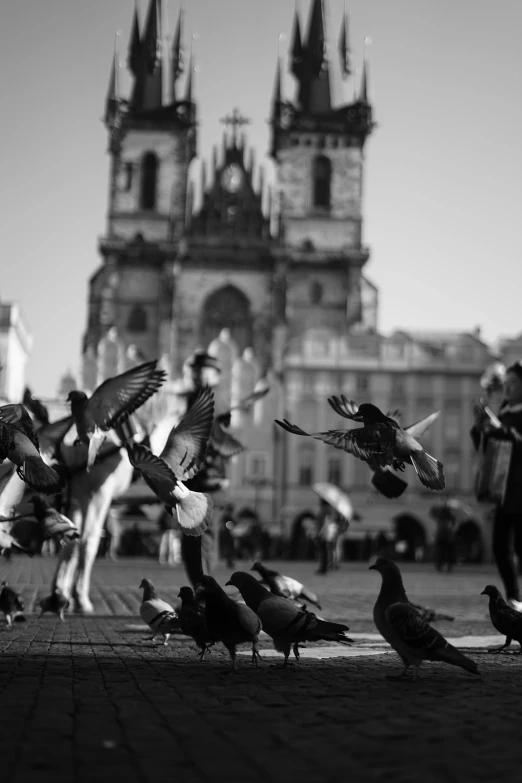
(226, 538)
(445, 538)
(507, 521)
(199, 552)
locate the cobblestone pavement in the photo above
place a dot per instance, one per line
(92, 700)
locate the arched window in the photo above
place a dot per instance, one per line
(149, 181)
(137, 321)
(322, 175)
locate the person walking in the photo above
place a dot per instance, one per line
(328, 533)
(445, 538)
(507, 519)
(169, 548)
(226, 537)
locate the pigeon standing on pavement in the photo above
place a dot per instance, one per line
(228, 621)
(160, 616)
(406, 630)
(180, 460)
(505, 619)
(56, 603)
(382, 443)
(285, 586)
(11, 605)
(19, 443)
(287, 624)
(191, 617)
(112, 403)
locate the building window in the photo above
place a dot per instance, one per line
(149, 181)
(322, 175)
(129, 169)
(306, 465)
(316, 292)
(334, 471)
(137, 321)
(363, 384)
(257, 467)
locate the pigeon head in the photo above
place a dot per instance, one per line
(250, 588)
(148, 589)
(187, 595)
(386, 567)
(256, 566)
(208, 584)
(492, 591)
(76, 396)
(369, 413)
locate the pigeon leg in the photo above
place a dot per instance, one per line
(166, 637)
(506, 644)
(296, 651)
(255, 654)
(404, 675)
(9, 620)
(60, 615)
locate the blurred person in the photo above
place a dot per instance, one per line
(226, 526)
(114, 530)
(445, 538)
(507, 519)
(327, 536)
(170, 545)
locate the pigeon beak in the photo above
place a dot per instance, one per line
(372, 568)
(483, 592)
(228, 583)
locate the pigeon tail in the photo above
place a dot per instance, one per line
(388, 484)
(40, 477)
(429, 470)
(329, 631)
(194, 513)
(450, 654)
(95, 443)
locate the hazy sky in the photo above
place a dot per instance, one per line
(443, 172)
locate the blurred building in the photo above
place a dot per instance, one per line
(15, 347)
(269, 279)
(509, 349)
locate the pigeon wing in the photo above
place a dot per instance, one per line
(17, 416)
(343, 406)
(419, 428)
(186, 444)
(247, 402)
(116, 398)
(154, 470)
(366, 443)
(51, 434)
(224, 443)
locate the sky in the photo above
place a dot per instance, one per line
(443, 168)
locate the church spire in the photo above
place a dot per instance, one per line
(177, 55)
(314, 76)
(344, 50)
(134, 55)
(363, 90)
(147, 94)
(296, 51)
(189, 88)
(316, 39)
(113, 93)
(278, 92)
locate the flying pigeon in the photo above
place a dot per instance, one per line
(287, 624)
(229, 621)
(181, 460)
(36, 407)
(382, 443)
(55, 525)
(285, 586)
(11, 605)
(191, 617)
(505, 619)
(19, 444)
(406, 630)
(56, 603)
(112, 403)
(160, 616)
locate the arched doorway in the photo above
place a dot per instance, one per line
(411, 533)
(226, 308)
(469, 545)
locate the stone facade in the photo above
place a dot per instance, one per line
(15, 347)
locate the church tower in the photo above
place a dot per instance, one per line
(317, 149)
(152, 140)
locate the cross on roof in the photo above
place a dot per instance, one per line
(236, 120)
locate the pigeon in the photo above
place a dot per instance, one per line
(112, 403)
(19, 444)
(228, 621)
(51, 435)
(36, 407)
(505, 619)
(287, 624)
(160, 616)
(181, 460)
(382, 443)
(406, 630)
(11, 605)
(55, 525)
(285, 586)
(56, 603)
(191, 617)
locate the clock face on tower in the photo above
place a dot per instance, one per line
(232, 178)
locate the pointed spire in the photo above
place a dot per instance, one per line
(344, 50)
(113, 93)
(203, 175)
(316, 39)
(134, 56)
(278, 92)
(152, 38)
(296, 51)
(177, 54)
(189, 88)
(363, 89)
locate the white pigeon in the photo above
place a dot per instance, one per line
(160, 616)
(403, 626)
